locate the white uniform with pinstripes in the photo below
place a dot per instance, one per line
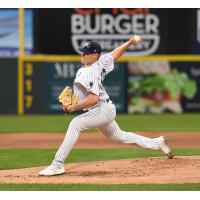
(102, 115)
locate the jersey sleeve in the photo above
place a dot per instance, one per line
(107, 62)
(90, 83)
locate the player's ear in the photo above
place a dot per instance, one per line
(96, 55)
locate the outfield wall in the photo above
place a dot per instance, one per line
(43, 80)
(144, 81)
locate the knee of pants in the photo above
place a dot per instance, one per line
(117, 135)
(76, 125)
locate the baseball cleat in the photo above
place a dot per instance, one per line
(52, 170)
(165, 148)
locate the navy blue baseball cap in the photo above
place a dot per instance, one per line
(91, 47)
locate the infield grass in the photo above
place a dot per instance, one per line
(23, 158)
(96, 187)
(59, 123)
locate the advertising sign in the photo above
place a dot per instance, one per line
(112, 27)
(157, 87)
(9, 32)
(163, 30)
(43, 82)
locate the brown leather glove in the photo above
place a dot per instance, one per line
(67, 97)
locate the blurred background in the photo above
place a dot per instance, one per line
(38, 57)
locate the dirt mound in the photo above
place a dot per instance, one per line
(130, 171)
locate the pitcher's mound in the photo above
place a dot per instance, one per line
(129, 171)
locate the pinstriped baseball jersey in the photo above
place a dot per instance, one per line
(102, 116)
(89, 79)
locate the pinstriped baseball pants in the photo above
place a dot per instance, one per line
(103, 118)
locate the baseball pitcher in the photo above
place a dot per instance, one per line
(100, 112)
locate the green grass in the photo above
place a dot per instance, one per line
(22, 158)
(86, 187)
(59, 123)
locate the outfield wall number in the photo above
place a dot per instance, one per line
(28, 82)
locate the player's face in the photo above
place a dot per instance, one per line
(88, 59)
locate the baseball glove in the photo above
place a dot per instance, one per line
(67, 97)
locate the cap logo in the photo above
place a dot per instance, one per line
(87, 45)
